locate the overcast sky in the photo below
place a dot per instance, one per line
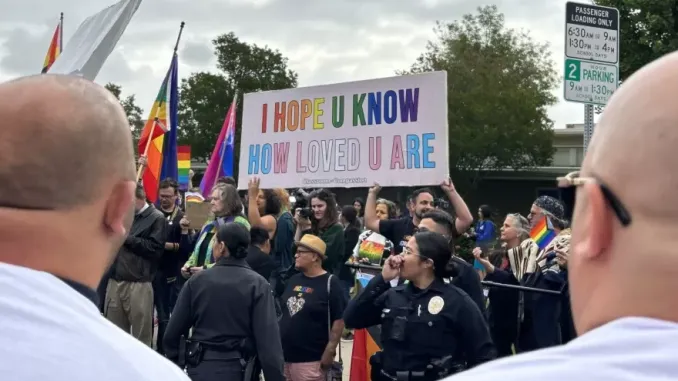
(326, 41)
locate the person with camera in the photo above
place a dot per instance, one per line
(322, 220)
(429, 329)
(222, 337)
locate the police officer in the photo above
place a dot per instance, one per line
(463, 274)
(429, 329)
(230, 308)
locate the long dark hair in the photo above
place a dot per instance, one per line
(435, 247)
(273, 204)
(331, 213)
(486, 212)
(349, 213)
(236, 238)
(360, 201)
(497, 256)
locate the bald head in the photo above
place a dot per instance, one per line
(62, 139)
(615, 270)
(634, 145)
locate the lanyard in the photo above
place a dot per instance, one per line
(171, 217)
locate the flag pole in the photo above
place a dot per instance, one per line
(223, 143)
(61, 32)
(156, 119)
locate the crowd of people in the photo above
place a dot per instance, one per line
(264, 286)
(307, 252)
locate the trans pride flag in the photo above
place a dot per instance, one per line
(221, 161)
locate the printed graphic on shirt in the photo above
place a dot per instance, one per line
(406, 239)
(295, 304)
(303, 290)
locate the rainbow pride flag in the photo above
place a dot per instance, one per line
(55, 46)
(184, 165)
(194, 197)
(165, 110)
(543, 233)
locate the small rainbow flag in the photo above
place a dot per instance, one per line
(55, 46)
(184, 165)
(194, 197)
(542, 233)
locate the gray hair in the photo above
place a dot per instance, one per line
(230, 198)
(390, 207)
(521, 224)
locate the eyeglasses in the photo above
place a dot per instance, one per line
(408, 251)
(573, 179)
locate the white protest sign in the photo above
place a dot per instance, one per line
(392, 131)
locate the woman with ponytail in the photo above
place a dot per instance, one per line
(427, 325)
(218, 332)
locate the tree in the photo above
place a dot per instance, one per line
(206, 97)
(500, 84)
(134, 112)
(648, 29)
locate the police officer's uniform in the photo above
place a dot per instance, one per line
(225, 305)
(425, 334)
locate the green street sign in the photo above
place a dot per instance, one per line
(589, 82)
(572, 70)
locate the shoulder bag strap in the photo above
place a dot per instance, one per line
(329, 318)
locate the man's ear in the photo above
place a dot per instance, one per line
(594, 222)
(119, 212)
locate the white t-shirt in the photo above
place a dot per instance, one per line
(52, 332)
(629, 349)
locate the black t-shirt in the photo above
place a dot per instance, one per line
(398, 231)
(304, 324)
(260, 262)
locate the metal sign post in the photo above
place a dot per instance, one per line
(591, 58)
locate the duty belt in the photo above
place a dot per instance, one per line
(405, 375)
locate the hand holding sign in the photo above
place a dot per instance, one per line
(448, 186)
(375, 189)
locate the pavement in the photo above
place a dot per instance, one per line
(346, 351)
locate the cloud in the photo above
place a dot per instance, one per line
(198, 54)
(24, 50)
(325, 41)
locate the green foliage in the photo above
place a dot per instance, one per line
(206, 97)
(464, 248)
(134, 112)
(500, 85)
(649, 30)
